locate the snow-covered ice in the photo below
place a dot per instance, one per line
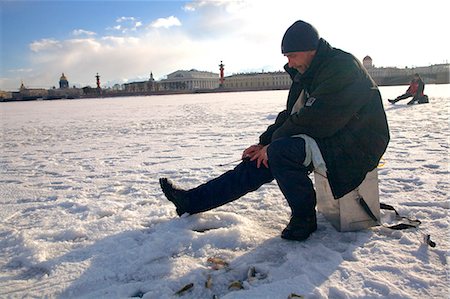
(82, 214)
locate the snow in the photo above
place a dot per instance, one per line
(82, 214)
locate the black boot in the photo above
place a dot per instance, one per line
(300, 228)
(411, 102)
(176, 195)
(393, 101)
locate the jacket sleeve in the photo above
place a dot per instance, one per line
(420, 88)
(341, 90)
(410, 88)
(266, 137)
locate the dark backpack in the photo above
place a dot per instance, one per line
(423, 99)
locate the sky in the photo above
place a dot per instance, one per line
(125, 41)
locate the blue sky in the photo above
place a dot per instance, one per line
(126, 40)
(27, 21)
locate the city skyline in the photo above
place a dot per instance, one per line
(125, 41)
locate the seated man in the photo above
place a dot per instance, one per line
(415, 90)
(333, 111)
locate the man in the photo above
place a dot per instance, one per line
(334, 120)
(415, 90)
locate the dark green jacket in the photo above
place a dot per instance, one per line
(343, 113)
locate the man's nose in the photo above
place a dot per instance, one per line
(289, 62)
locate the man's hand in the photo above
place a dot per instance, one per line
(257, 152)
(251, 151)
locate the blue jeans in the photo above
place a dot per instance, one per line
(285, 156)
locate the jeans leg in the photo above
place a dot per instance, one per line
(233, 184)
(403, 96)
(286, 158)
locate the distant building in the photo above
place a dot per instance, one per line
(5, 94)
(63, 83)
(258, 81)
(190, 80)
(183, 81)
(367, 62)
(64, 91)
(141, 87)
(29, 93)
(433, 74)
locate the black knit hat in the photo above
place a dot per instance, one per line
(300, 37)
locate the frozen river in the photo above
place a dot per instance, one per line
(82, 214)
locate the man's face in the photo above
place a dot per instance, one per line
(300, 60)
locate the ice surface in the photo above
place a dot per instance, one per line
(82, 214)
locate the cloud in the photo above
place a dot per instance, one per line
(46, 44)
(126, 25)
(23, 70)
(166, 22)
(125, 19)
(111, 56)
(78, 32)
(230, 6)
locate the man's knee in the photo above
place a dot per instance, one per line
(289, 149)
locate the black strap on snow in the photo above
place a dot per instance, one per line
(412, 223)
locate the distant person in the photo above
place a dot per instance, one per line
(415, 90)
(334, 121)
